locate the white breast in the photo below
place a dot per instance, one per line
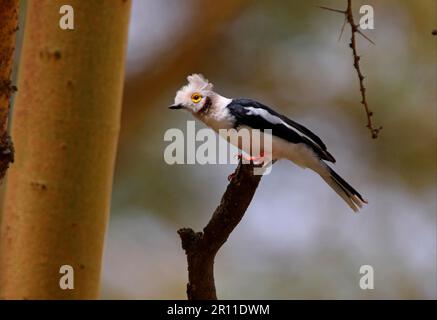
(299, 153)
(218, 117)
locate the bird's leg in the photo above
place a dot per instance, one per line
(257, 160)
(239, 156)
(231, 176)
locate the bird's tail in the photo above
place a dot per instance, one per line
(352, 197)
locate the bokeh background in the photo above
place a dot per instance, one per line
(298, 239)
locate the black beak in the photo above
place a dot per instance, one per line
(176, 106)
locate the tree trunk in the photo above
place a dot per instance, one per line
(8, 28)
(65, 128)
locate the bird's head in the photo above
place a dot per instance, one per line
(196, 96)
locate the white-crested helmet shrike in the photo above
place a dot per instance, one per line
(290, 140)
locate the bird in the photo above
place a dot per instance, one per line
(290, 140)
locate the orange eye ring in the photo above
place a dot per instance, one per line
(196, 97)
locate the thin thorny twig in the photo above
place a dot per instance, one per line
(349, 18)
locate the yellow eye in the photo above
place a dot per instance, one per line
(196, 97)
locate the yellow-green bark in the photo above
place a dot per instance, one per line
(65, 128)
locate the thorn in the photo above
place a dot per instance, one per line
(364, 36)
(331, 9)
(342, 28)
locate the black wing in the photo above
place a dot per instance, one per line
(294, 132)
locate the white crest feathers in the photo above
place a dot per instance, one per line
(199, 82)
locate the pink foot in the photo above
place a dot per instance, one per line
(255, 159)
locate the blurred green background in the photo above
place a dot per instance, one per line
(298, 239)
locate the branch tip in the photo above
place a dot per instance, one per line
(201, 248)
(349, 19)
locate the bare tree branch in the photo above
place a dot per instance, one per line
(201, 247)
(8, 29)
(354, 30)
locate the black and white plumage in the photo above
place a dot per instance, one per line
(290, 140)
(255, 115)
